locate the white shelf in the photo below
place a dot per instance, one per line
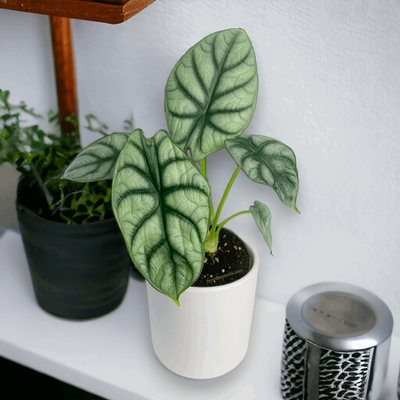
(112, 356)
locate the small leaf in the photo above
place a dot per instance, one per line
(97, 161)
(211, 93)
(4, 96)
(269, 162)
(95, 125)
(161, 202)
(262, 216)
(52, 117)
(128, 127)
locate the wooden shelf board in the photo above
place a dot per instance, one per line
(108, 11)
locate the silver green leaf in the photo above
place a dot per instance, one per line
(267, 161)
(161, 202)
(97, 161)
(211, 93)
(262, 216)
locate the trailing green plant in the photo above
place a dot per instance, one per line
(41, 157)
(160, 197)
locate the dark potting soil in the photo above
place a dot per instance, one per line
(231, 262)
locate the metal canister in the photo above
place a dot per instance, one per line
(336, 343)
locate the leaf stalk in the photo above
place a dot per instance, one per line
(228, 219)
(203, 166)
(211, 245)
(49, 197)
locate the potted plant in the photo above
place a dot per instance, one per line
(65, 226)
(162, 202)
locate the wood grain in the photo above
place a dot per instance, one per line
(64, 69)
(108, 11)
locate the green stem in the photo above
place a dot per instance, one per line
(203, 165)
(224, 197)
(212, 239)
(47, 194)
(228, 219)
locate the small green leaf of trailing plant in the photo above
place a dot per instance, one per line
(95, 125)
(128, 127)
(262, 216)
(211, 93)
(269, 162)
(161, 202)
(97, 161)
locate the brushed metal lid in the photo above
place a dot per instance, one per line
(339, 316)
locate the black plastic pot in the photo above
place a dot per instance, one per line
(78, 271)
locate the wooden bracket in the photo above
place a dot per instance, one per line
(65, 70)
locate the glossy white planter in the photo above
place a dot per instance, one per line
(209, 334)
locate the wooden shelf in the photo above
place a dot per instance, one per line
(108, 11)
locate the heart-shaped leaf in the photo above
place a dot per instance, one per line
(161, 202)
(262, 216)
(267, 161)
(211, 93)
(97, 161)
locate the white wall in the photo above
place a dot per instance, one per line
(329, 88)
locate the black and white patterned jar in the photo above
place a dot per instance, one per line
(336, 344)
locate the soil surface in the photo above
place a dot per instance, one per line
(231, 262)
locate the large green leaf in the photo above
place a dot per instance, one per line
(97, 161)
(267, 161)
(161, 202)
(262, 216)
(211, 93)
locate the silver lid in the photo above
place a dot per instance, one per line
(339, 316)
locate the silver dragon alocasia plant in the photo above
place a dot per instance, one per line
(161, 199)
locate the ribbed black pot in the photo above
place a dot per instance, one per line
(78, 271)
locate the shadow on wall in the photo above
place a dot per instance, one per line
(9, 181)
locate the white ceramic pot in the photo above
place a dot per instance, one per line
(209, 334)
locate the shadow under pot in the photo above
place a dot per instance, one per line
(77, 271)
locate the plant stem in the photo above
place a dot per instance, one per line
(212, 238)
(224, 197)
(39, 180)
(228, 219)
(203, 164)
